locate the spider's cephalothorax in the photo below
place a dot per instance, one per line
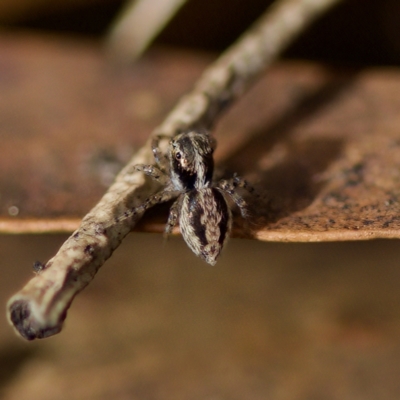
(201, 207)
(191, 161)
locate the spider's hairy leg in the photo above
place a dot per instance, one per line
(173, 216)
(237, 181)
(229, 186)
(159, 197)
(160, 157)
(154, 172)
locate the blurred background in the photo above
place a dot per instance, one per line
(359, 32)
(271, 320)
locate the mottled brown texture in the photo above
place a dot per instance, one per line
(330, 163)
(321, 144)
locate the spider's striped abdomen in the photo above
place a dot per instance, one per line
(205, 222)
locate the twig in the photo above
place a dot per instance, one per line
(138, 24)
(40, 308)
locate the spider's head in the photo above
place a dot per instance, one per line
(191, 160)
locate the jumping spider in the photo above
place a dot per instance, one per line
(186, 172)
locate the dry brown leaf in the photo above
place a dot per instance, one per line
(320, 145)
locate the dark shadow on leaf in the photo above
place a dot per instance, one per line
(292, 183)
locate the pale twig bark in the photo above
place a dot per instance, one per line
(138, 24)
(39, 309)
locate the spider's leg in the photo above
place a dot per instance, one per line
(160, 157)
(154, 172)
(173, 216)
(242, 183)
(229, 187)
(159, 197)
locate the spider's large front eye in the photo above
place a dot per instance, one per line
(178, 155)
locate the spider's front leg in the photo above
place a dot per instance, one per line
(154, 172)
(160, 157)
(160, 197)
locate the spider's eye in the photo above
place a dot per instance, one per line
(178, 155)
